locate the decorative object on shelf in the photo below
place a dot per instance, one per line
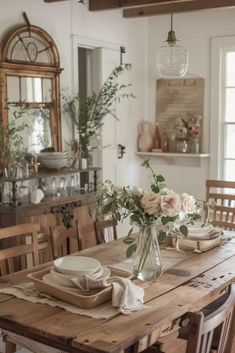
(188, 133)
(153, 212)
(53, 160)
(88, 116)
(145, 137)
(172, 59)
(181, 145)
(157, 140)
(178, 99)
(36, 196)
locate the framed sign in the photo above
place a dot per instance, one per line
(179, 107)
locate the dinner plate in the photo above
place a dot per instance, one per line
(49, 279)
(77, 265)
(215, 233)
(200, 228)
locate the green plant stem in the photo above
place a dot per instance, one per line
(144, 253)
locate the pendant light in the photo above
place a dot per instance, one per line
(172, 59)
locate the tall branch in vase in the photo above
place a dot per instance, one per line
(88, 116)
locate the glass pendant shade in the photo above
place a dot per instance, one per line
(172, 60)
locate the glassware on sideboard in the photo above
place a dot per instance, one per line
(58, 184)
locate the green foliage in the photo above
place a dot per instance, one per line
(11, 141)
(88, 116)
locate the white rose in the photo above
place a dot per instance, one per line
(188, 203)
(170, 203)
(137, 190)
(118, 189)
(150, 203)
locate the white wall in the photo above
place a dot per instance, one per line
(64, 19)
(141, 37)
(195, 31)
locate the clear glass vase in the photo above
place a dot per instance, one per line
(147, 263)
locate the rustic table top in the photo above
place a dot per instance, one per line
(192, 281)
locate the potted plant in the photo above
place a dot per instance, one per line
(88, 116)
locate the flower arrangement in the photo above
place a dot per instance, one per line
(189, 127)
(88, 116)
(159, 207)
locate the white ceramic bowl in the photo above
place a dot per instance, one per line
(52, 155)
(54, 164)
(77, 265)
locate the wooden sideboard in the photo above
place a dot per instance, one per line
(70, 210)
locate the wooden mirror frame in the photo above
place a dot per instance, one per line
(32, 68)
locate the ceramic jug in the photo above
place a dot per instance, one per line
(145, 137)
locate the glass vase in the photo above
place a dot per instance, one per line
(147, 263)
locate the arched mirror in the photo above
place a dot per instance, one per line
(29, 74)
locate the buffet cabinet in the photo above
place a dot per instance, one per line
(68, 197)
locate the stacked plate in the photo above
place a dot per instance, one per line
(71, 269)
(53, 160)
(200, 231)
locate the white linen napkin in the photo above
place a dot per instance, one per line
(126, 296)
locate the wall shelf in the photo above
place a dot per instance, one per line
(173, 155)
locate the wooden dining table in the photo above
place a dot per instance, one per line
(189, 283)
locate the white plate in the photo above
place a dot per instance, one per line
(49, 279)
(200, 228)
(101, 273)
(215, 233)
(77, 265)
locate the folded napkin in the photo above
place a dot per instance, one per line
(126, 296)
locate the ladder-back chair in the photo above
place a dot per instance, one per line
(21, 248)
(213, 333)
(65, 241)
(222, 195)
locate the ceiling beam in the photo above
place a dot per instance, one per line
(53, 0)
(97, 5)
(179, 6)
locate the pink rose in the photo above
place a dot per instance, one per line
(150, 203)
(170, 204)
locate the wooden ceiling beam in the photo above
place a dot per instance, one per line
(53, 0)
(97, 5)
(179, 6)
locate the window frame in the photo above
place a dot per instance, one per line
(219, 47)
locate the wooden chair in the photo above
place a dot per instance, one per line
(26, 251)
(86, 227)
(222, 194)
(213, 333)
(106, 230)
(65, 241)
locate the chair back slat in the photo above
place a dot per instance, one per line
(20, 247)
(65, 240)
(106, 230)
(220, 192)
(219, 324)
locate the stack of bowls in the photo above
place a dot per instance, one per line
(53, 160)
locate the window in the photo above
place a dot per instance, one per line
(222, 123)
(228, 97)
